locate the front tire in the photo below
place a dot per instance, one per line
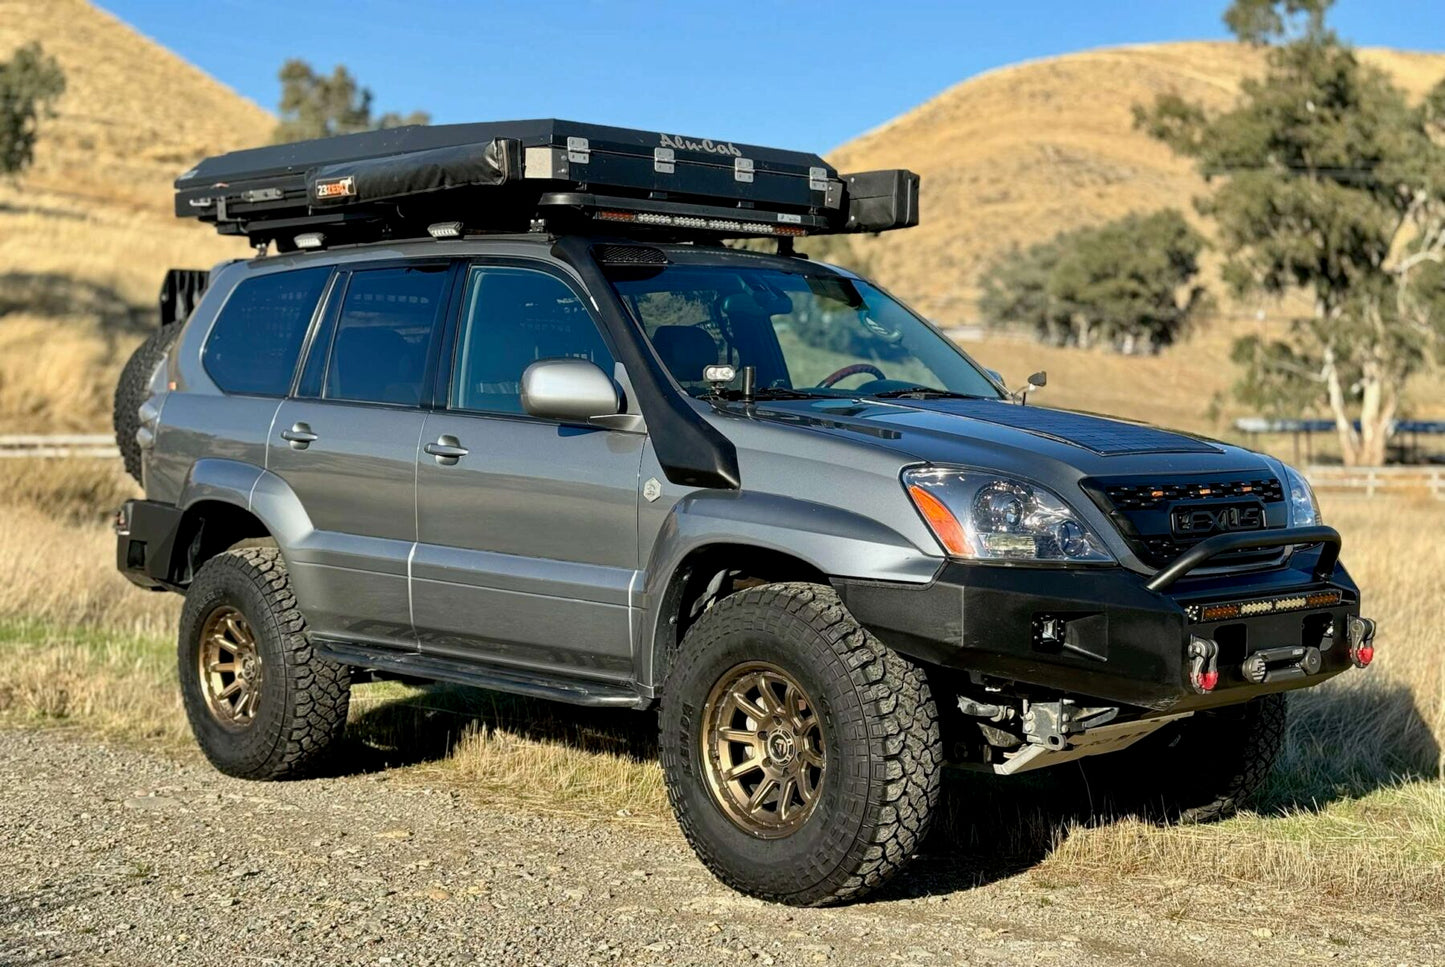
(802, 756)
(261, 704)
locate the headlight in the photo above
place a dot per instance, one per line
(1304, 509)
(988, 517)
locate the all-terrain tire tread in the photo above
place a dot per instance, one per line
(906, 749)
(1264, 734)
(317, 691)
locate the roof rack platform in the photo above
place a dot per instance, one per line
(510, 176)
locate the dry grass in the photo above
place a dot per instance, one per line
(1355, 810)
(87, 234)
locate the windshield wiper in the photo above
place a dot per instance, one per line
(926, 393)
(788, 393)
(771, 393)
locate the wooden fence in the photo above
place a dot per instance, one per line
(58, 445)
(1372, 481)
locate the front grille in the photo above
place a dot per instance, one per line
(1143, 510)
(1144, 496)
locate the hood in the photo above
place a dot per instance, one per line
(974, 432)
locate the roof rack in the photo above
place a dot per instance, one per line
(543, 175)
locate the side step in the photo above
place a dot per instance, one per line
(557, 688)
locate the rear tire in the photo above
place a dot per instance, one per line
(868, 747)
(130, 393)
(1198, 769)
(261, 704)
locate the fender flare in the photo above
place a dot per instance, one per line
(251, 488)
(830, 540)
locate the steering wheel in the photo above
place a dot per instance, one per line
(847, 371)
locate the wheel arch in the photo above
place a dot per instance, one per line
(715, 543)
(707, 574)
(226, 502)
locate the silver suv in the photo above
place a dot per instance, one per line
(753, 491)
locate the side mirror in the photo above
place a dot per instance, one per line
(1036, 381)
(569, 390)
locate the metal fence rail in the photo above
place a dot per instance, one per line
(58, 445)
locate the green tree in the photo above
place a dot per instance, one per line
(1129, 283)
(1327, 182)
(318, 106)
(30, 82)
(1016, 291)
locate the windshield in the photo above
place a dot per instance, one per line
(814, 334)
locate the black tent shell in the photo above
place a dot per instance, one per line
(516, 175)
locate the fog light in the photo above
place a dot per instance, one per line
(1362, 640)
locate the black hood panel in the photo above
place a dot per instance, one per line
(1107, 437)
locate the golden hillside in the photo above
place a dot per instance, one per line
(87, 233)
(134, 115)
(1013, 155)
(1017, 154)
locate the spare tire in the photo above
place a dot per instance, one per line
(130, 393)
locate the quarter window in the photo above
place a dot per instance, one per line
(514, 317)
(384, 335)
(255, 340)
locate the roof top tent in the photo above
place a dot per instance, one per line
(515, 176)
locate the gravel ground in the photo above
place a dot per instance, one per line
(110, 855)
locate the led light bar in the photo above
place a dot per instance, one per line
(1225, 611)
(697, 223)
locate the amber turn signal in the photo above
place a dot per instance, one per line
(941, 521)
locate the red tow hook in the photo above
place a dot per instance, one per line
(1362, 640)
(1203, 664)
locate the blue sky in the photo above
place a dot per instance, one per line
(808, 76)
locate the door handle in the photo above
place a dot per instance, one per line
(447, 449)
(299, 436)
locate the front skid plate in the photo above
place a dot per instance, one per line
(1105, 738)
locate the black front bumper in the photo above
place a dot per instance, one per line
(1102, 633)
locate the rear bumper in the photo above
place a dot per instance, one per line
(1102, 633)
(145, 536)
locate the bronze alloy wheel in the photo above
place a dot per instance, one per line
(763, 750)
(230, 667)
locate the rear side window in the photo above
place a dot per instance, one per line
(384, 335)
(254, 342)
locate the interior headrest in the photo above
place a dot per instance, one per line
(685, 350)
